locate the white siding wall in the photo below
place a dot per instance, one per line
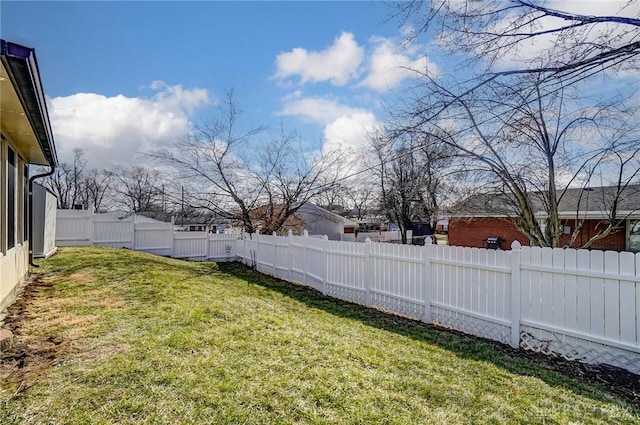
(14, 266)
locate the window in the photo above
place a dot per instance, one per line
(634, 235)
(11, 199)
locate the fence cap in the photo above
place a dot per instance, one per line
(516, 245)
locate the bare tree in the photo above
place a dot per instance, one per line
(531, 144)
(521, 118)
(257, 185)
(333, 199)
(66, 181)
(359, 198)
(519, 37)
(136, 188)
(96, 185)
(408, 169)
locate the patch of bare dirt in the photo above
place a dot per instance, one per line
(30, 356)
(47, 334)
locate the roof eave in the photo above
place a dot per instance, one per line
(22, 68)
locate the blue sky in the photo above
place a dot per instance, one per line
(127, 77)
(124, 77)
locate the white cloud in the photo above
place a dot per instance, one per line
(346, 128)
(321, 110)
(114, 130)
(390, 64)
(350, 132)
(337, 63)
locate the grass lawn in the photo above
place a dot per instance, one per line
(118, 336)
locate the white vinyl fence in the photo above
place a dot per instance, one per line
(578, 304)
(80, 228)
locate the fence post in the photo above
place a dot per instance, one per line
(289, 237)
(133, 231)
(426, 277)
(256, 256)
(92, 228)
(515, 293)
(368, 272)
(305, 260)
(275, 253)
(326, 264)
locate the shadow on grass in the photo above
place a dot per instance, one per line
(576, 377)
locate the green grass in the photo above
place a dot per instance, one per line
(146, 339)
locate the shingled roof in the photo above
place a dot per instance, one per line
(590, 202)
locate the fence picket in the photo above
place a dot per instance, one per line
(547, 285)
(596, 262)
(570, 290)
(611, 297)
(629, 292)
(583, 320)
(558, 288)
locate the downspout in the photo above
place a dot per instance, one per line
(31, 179)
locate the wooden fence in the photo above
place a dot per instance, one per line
(578, 304)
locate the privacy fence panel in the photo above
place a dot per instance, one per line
(315, 263)
(74, 228)
(154, 237)
(117, 233)
(190, 245)
(582, 305)
(221, 246)
(346, 268)
(265, 262)
(471, 291)
(282, 258)
(396, 276)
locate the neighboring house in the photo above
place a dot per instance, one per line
(190, 221)
(26, 138)
(319, 221)
(44, 222)
(483, 217)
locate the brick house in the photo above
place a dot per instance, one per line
(484, 216)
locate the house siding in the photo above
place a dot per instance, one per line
(473, 232)
(25, 138)
(318, 221)
(14, 247)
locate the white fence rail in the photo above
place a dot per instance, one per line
(578, 304)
